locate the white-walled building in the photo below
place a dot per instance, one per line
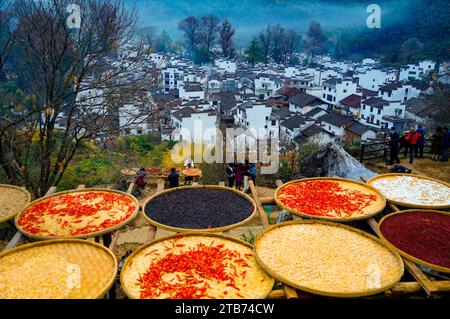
(335, 124)
(266, 85)
(373, 79)
(335, 90)
(292, 127)
(303, 103)
(172, 78)
(191, 90)
(416, 71)
(132, 120)
(397, 91)
(226, 66)
(376, 112)
(194, 125)
(252, 115)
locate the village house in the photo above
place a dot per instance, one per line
(351, 105)
(172, 78)
(266, 85)
(303, 103)
(191, 90)
(292, 127)
(397, 91)
(373, 79)
(381, 114)
(335, 90)
(194, 125)
(357, 132)
(225, 66)
(257, 116)
(416, 71)
(335, 124)
(314, 134)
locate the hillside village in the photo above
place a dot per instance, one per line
(330, 101)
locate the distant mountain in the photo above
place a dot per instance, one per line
(343, 20)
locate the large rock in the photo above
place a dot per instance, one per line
(332, 160)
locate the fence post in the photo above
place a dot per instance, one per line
(363, 147)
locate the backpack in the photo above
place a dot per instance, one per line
(400, 169)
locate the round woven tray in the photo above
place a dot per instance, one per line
(258, 284)
(59, 269)
(372, 210)
(4, 217)
(405, 204)
(89, 235)
(261, 255)
(192, 172)
(405, 254)
(210, 230)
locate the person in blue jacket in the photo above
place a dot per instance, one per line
(421, 142)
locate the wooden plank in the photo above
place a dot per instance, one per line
(290, 293)
(18, 235)
(268, 200)
(422, 279)
(403, 288)
(277, 294)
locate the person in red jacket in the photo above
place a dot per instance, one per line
(412, 138)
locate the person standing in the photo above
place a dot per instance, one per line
(189, 163)
(445, 145)
(412, 137)
(229, 171)
(188, 179)
(140, 179)
(246, 173)
(394, 140)
(253, 172)
(173, 178)
(420, 142)
(436, 143)
(238, 176)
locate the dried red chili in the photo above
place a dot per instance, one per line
(192, 268)
(324, 198)
(69, 210)
(423, 235)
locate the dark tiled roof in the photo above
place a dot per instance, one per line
(358, 128)
(352, 100)
(377, 102)
(304, 99)
(288, 91)
(193, 87)
(391, 87)
(281, 113)
(314, 112)
(245, 105)
(294, 122)
(336, 119)
(312, 131)
(184, 112)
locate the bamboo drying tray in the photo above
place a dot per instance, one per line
(275, 273)
(375, 208)
(405, 204)
(60, 269)
(405, 254)
(6, 216)
(89, 235)
(191, 172)
(254, 289)
(211, 230)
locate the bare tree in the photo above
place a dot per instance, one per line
(289, 45)
(278, 37)
(69, 84)
(209, 26)
(265, 38)
(6, 34)
(226, 39)
(191, 29)
(149, 37)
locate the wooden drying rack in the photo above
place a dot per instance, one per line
(423, 282)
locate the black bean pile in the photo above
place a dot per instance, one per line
(199, 208)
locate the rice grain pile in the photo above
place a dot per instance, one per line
(327, 259)
(413, 190)
(12, 201)
(74, 270)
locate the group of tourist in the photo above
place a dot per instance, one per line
(413, 143)
(239, 175)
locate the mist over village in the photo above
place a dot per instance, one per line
(245, 150)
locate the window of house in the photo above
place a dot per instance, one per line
(371, 109)
(274, 123)
(324, 96)
(267, 118)
(379, 111)
(364, 107)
